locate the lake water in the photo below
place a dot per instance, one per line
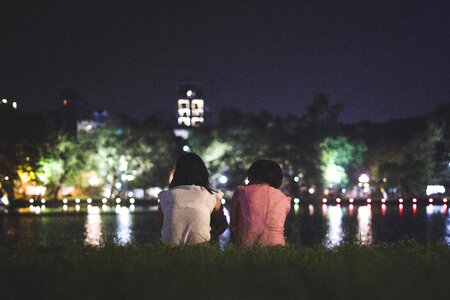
(307, 225)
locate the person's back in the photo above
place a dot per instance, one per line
(259, 210)
(263, 214)
(187, 210)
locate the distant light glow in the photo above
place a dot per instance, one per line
(296, 179)
(223, 179)
(94, 181)
(77, 207)
(383, 209)
(364, 178)
(65, 200)
(89, 200)
(6, 178)
(132, 200)
(414, 209)
(350, 209)
(223, 201)
(414, 200)
(435, 189)
(338, 200)
(4, 101)
(246, 181)
(64, 207)
(365, 224)
(43, 200)
(31, 200)
(400, 200)
(324, 200)
(77, 200)
(118, 200)
(186, 148)
(189, 93)
(324, 209)
(334, 233)
(104, 200)
(383, 200)
(444, 200)
(296, 200)
(400, 209)
(296, 209)
(351, 200)
(430, 200)
(311, 190)
(369, 200)
(4, 200)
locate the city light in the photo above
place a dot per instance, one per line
(89, 200)
(296, 200)
(414, 200)
(132, 200)
(223, 201)
(31, 200)
(351, 200)
(4, 101)
(400, 200)
(223, 179)
(42, 200)
(4, 200)
(338, 200)
(118, 200)
(364, 178)
(369, 200)
(324, 200)
(383, 200)
(430, 200)
(65, 200)
(435, 189)
(296, 179)
(444, 200)
(104, 200)
(186, 148)
(311, 190)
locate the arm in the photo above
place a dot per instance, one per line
(160, 215)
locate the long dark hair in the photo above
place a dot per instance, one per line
(190, 169)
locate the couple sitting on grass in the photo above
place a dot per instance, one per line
(191, 211)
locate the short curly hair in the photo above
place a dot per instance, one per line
(265, 171)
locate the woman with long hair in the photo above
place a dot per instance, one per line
(186, 207)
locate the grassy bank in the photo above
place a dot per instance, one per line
(70, 271)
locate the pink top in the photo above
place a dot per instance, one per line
(262, 213)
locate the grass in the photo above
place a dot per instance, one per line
(405, 270)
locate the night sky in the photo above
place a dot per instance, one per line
(381, 59)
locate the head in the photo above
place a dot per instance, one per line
(265, 171)
(190, 169)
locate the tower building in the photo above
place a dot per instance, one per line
(191, 106)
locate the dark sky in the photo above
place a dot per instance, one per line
(382, 59)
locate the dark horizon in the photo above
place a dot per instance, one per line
(382, 60)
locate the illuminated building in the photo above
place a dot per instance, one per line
(191, 106)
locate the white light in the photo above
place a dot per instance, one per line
(324, 200)
(186, 148)
(132, 208)
(311, 190)
(369, 200)
(4, 200)
(118, 200)
(6, 178)
(77, 200)
(223, 179)
(189, 93)
(77, 207)
(296, 179)
(364, 178)
(104, 200)
(296, 200)
(338, 200)
(4, 101)
(435, 189)
(400, 200)
(383, 200)
(89, 200)
(444, 200)
(223, 201)
(132, 200)
(42, 207)
(31, 200)
(414, 200)
(42, 201)
(94, 180)
(430, 200)
(344, 191)
(246, 181)
(64, 207)
(351, 200)
(64, 200)
(118, 185)
(14, 105)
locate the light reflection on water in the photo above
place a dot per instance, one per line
(327, 225)
(334, 234)
(365, 224)
(93, 227)
(124, 222)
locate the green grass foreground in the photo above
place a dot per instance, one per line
(405, 270)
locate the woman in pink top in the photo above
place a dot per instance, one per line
(259, 210)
